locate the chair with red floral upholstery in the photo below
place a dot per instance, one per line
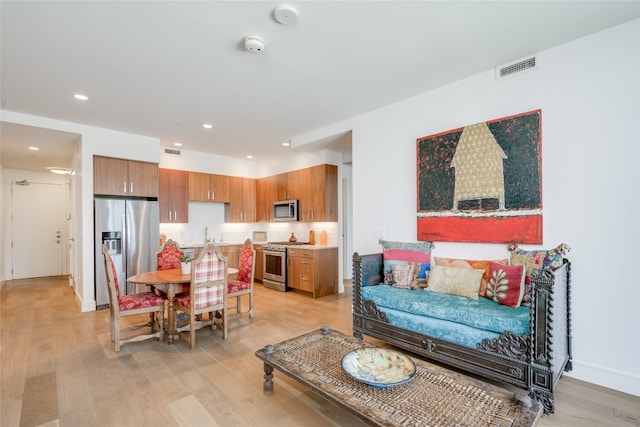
(207, 293)
(130, 305)
(243, 285)
(169, 256)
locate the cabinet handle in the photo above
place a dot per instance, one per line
(213, 195)
(169, 215)
(208, 195)
(131, 187)
(175, 215)
(124, 187)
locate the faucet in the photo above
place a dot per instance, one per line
(206, 234)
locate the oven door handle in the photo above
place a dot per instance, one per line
(274, 253)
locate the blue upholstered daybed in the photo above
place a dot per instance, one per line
(528, 347)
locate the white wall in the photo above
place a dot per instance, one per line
(589, 94)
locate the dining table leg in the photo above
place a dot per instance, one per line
(171, 322)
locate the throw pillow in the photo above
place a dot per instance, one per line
(402, 252)
(536, 260)
(506, 284)
(471, 264)
(405, 275)
(550, 259)
(463, 282)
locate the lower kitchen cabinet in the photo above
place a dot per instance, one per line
(259, 269)
(313, 270)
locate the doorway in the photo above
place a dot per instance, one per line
(38, 229)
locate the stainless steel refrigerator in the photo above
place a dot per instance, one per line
(130, 229)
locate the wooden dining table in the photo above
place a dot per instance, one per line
(171, 282)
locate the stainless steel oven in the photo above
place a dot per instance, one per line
(275, 267)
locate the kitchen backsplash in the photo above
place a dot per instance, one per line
(211, 216)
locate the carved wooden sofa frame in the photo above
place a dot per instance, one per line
(532, 362)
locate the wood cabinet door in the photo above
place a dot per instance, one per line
(173, 200)
(249, 199)
(259, 267)
(110, 176)
(180, 195)
(323, 197)
(199, 187)
(234, 209)
(305, 273)
(165, 202)
(220, 188)
(143, 179)
(293, 268)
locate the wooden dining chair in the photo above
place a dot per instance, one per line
(130, 305)
(243, 285)
(207, 294)
(169, 255)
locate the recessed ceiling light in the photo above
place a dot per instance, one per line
(178, 144)
(59, 171)
(249, 156)
(80, 97)
(207, 126)
(34, 148)
(287, 143)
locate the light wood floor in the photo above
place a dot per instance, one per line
(58, 369)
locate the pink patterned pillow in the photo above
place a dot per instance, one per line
(506, 284)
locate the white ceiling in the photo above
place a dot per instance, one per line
(163, 68)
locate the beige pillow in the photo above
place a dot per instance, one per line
(472, 263)
(464, 282)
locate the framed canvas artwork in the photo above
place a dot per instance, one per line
(482, 182)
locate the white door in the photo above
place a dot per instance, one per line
(38, 229)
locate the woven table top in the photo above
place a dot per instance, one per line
(434, 397)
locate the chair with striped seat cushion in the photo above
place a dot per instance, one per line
(207, 293)
(243, 285)
(130, 305)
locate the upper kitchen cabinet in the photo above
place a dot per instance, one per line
(120, 177)
(173, 201)
(205, 187)
(242, 207)
(319, 201)
(316, 188)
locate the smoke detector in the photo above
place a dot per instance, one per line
(254, 44)
(285, 15)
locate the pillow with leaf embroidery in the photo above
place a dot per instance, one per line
(506, 284)
(471, 264)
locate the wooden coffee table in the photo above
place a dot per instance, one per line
(434, 396)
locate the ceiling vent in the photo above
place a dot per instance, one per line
(172, 152)
(517, 67)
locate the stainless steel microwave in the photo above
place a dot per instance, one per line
(285, 210)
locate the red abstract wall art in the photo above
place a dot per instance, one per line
(482, 182)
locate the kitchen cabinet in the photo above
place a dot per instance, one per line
(316, 188)
(121, 177)
(242, 206)
(313, 270)
(319, 201)
(206, 187)
(259, 267)
(232, 252)
(173, 200)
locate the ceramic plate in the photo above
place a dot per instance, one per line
(379, 367)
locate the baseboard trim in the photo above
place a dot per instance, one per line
(606, 377)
